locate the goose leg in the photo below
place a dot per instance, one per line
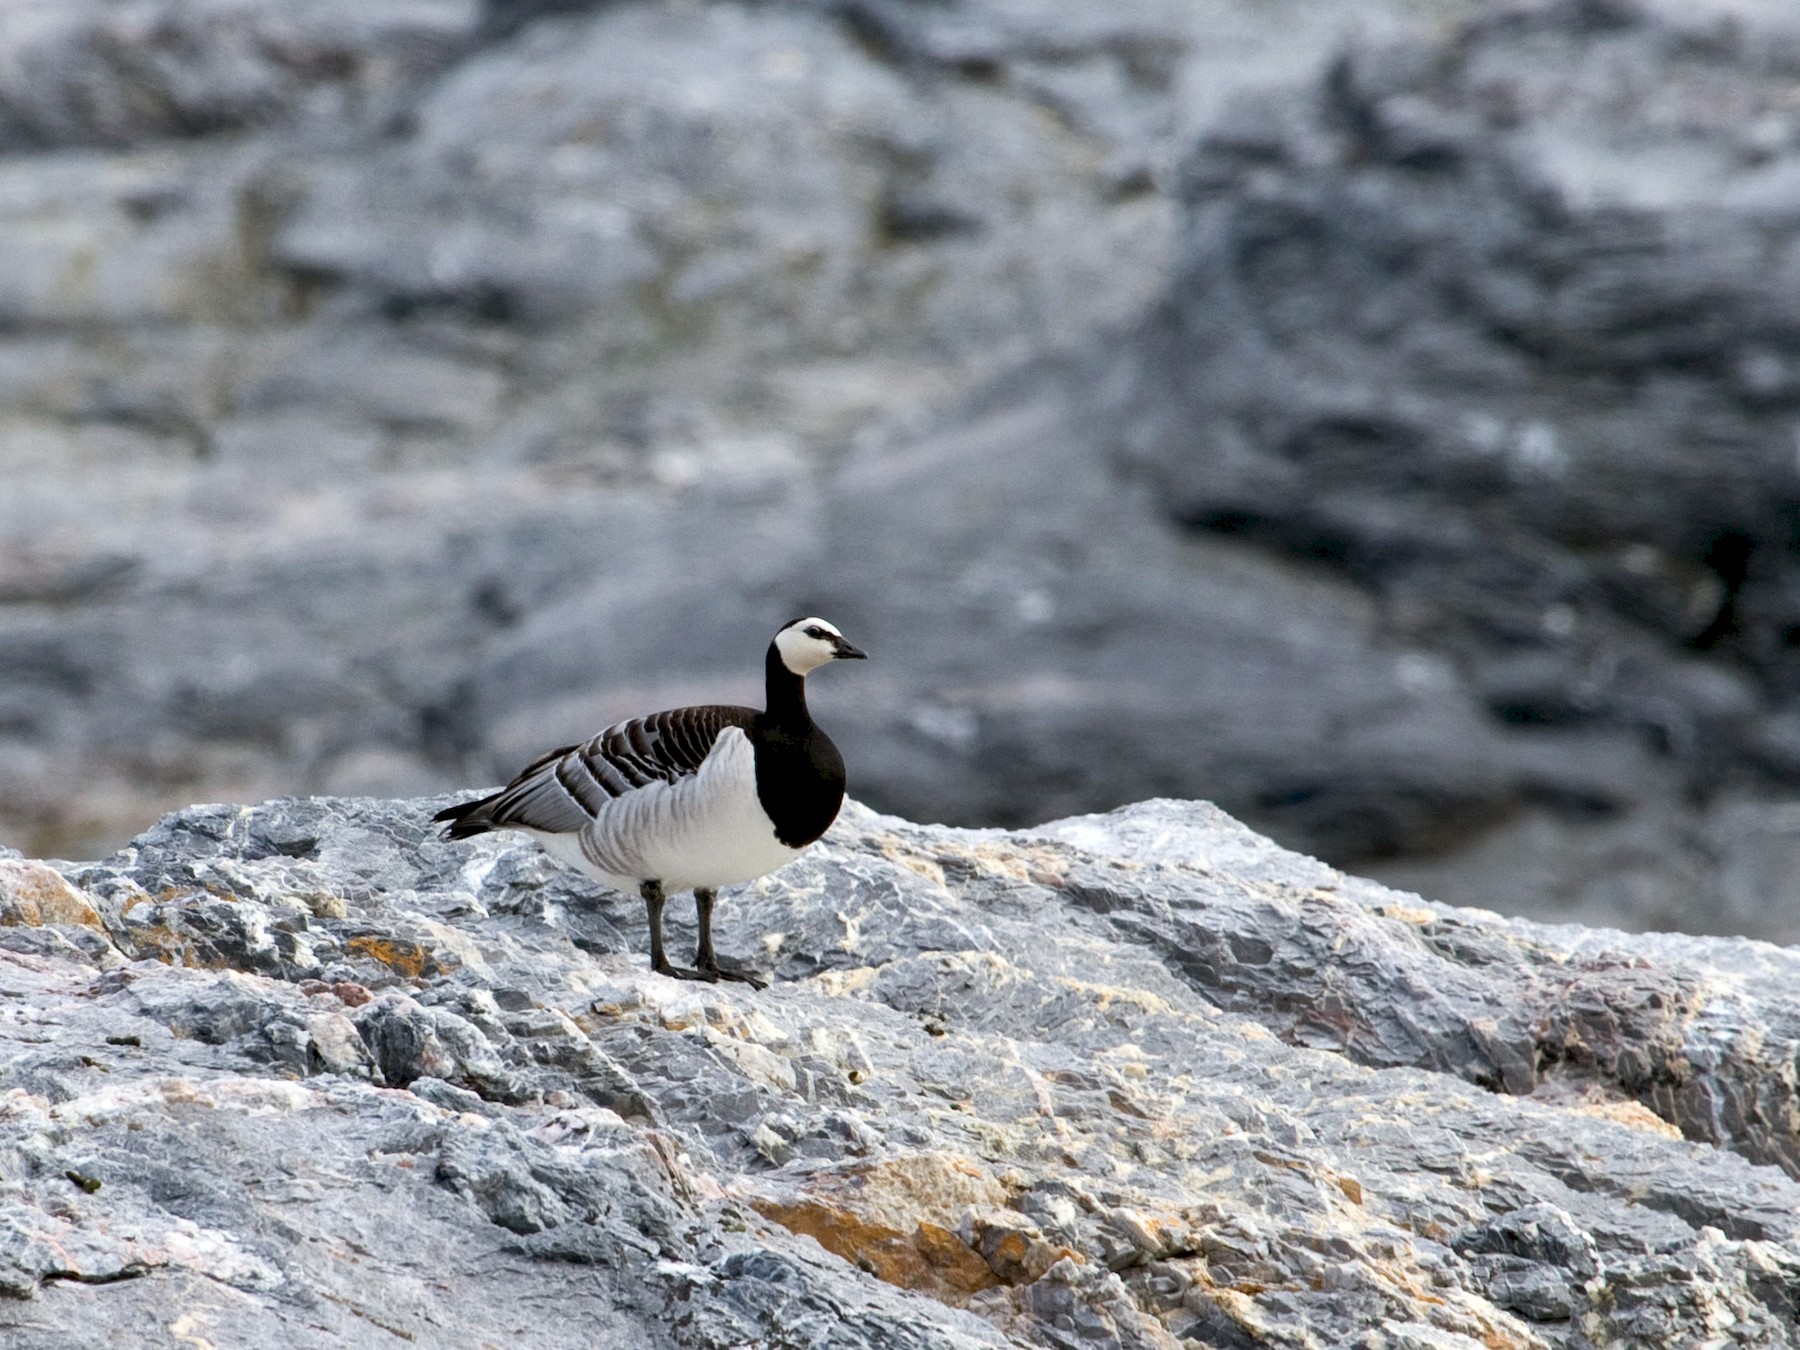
(652, 891)
(704, 958)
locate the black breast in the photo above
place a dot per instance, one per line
(799, 781)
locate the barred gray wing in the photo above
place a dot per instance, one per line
(563, 791)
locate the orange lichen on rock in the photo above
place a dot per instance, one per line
(33, 894)
(895, 1219)
(1013, 1248)
(403, 958)
(930, 1259)
(163, 944)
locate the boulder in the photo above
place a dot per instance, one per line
(1142, 1079)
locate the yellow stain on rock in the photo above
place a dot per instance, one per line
(1039, 866)
(187, 1329)
(403, 958)
(1605, 1102)
(1018, 1255)
(896, 852)
(1633, 1114)
(930, 1259)
(1417, 915)
(33, 894)
(895, 1219)
(164, 944)
(1010, 860)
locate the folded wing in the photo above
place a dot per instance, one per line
(565, 790)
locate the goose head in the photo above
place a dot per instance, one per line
(806, 644)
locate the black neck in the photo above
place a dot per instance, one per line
(784, 690)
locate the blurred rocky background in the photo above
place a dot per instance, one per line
(1381, 418)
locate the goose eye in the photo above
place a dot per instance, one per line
(815, 632)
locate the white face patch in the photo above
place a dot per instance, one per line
(800, 650)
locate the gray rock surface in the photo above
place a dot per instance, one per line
(303, 1073)
(1372, 417)
(1500, 327)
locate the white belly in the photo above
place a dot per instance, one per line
(707, 829)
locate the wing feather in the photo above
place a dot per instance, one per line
(565, 790)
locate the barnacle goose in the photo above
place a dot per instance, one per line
(689, 799)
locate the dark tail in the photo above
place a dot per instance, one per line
(470, 818)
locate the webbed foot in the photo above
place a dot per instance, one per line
(682, 972)
(712, 970)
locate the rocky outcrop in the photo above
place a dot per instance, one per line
(1429, 519)
(1495, 325)
(304, 1072)
(1382, 431)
